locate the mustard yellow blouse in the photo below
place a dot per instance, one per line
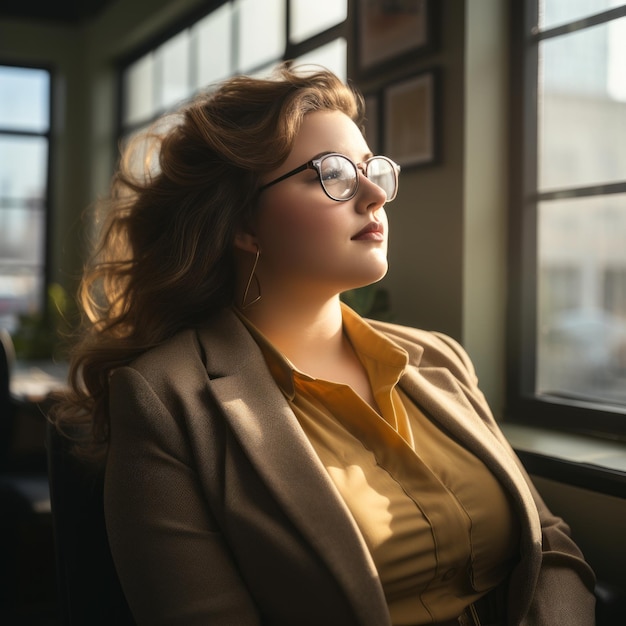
(439, 526)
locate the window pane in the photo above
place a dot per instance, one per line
(556, 13)
(579, 117)
(173, 58)
(21, 237)
(332, 56)
(266, 71)
(138, 85)
(24, 99)
(616, 76)
(582, 298)
(261, 33)
(21, 261)
(19, 293)
(23, 167)
(310, 18)
(213, 36)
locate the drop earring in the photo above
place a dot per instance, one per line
(253, 276)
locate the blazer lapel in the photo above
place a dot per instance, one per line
(270, 434)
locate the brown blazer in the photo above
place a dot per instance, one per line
(220, 513)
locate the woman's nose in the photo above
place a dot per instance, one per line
(369, 196)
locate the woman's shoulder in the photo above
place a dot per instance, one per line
(161, 385)
(169, 353)
(209, 349)
(168, 370)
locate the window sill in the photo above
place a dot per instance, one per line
(594, 464)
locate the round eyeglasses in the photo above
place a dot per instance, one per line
(339, 175)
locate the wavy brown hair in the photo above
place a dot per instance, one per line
(164, 257)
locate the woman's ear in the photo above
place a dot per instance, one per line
(246, 241)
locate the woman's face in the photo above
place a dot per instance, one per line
(309, 241)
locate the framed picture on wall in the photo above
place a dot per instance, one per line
(372, 122)
(410, 120)
(388, 29)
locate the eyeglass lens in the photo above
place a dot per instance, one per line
(339, 176)
(382, 173)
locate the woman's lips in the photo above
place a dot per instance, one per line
(374, 231)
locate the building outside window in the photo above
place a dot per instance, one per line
(24, 166)
(567, 344)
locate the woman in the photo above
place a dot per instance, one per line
(271, 457)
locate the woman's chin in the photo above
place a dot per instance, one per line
(371, 277)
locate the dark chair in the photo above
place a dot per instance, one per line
(88, 588)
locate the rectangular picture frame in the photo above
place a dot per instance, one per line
(410, 120)
(388, 30)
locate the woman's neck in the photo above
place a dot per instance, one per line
(304, 332)
(312, 338)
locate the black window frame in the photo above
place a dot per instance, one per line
(522, 404)
(47, 209)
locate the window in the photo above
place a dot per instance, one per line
(567, 341)
(24, 150)
(238, 36)
(310, 18)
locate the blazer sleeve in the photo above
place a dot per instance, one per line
(172, 561)
(563, 592)
(564, 589)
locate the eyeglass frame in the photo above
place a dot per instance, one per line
(315, 164)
